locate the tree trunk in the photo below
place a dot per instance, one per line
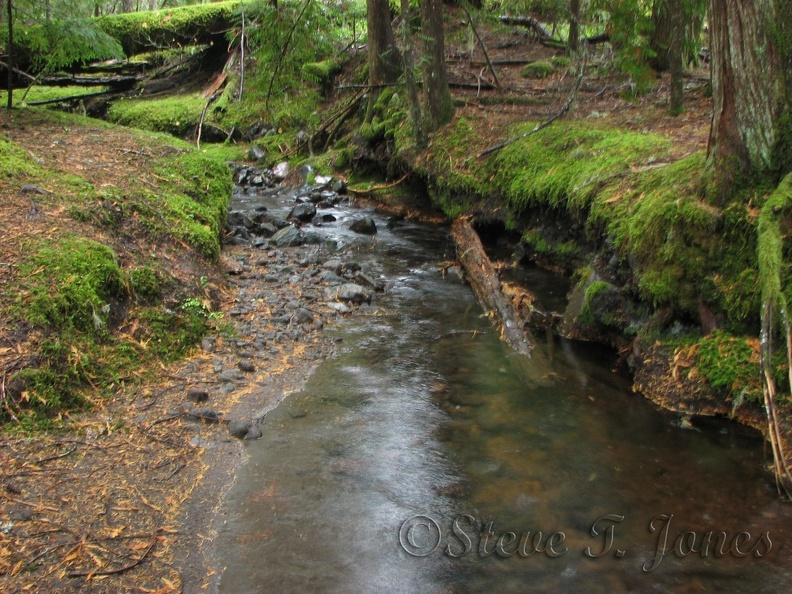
(127, 5)
(484, 281)
(751, 133)
(409, 77)
(10, 15)
(383, 57)
(660, 37)
(574, 27)
(439, 107)
(676, 43)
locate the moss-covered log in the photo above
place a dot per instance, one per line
(140, 32)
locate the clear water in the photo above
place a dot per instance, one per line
(427, 458)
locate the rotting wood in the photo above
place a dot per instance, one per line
(487, 287)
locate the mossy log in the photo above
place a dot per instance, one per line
(140, 32)
(486, 285)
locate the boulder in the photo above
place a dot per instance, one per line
(352, 292)
(303, 212)
(287, 237)
(365, 226)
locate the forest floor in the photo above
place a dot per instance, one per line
(121, 497)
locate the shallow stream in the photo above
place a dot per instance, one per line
(427, 458)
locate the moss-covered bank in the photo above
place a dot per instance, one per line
(658, 265)
(114, 268)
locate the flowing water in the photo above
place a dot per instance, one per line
(427, 458)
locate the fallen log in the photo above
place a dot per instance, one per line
(486, 285)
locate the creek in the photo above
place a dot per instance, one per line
(424, 458)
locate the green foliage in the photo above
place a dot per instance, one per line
(547, 10)
(53, 45)
(538, 69)
(629, 23)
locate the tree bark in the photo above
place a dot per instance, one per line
(486, 285)
(409, 77)
(10, 15)
(439, 107)
(676, 42)
(660, 37)
(127, 5)
(383, 58)
(751, 133)
(574, 27)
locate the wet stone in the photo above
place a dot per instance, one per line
(365, 226)
(287, 237)
(303, 212)
(197, 395)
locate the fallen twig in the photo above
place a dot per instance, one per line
(378, 188)
(73, 574)
(483, 48)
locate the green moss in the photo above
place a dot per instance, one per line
(163, 28)
(15, 162)
(321, 72)
(169, 334)
(731, 364)
(69, 286)
(177, 115)
(144, 282)
(561, 61)
(43, 93)
(568, 166)
(192, 200)
(538, 69)
(561, 252)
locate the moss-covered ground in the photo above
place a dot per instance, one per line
(109, 248)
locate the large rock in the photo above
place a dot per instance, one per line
(287, 237)
(281, 171)
(256, 153)
(352, 292)
(303, 212)
(365, 225)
